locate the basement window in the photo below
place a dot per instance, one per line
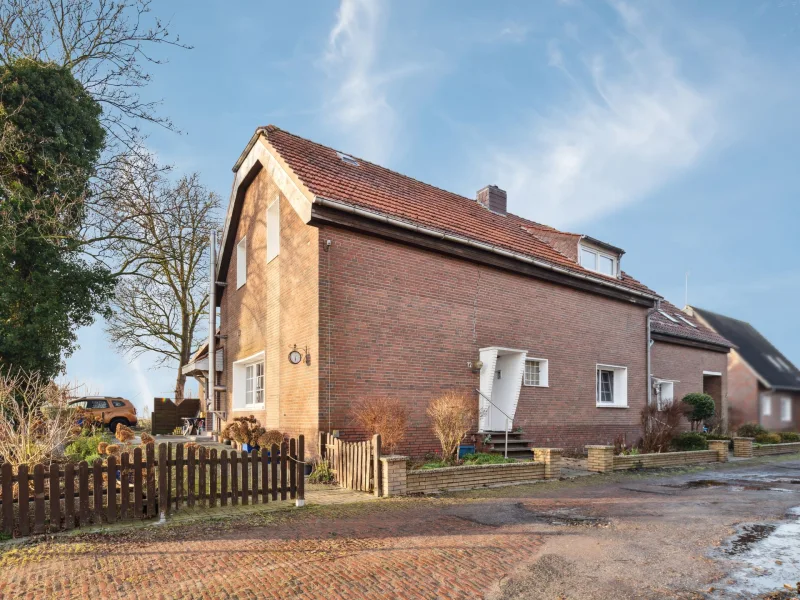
(536, 372)
(612, 386)
(241, 263)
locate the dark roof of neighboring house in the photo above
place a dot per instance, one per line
(767, 361)
(372, 187)
(684, 326)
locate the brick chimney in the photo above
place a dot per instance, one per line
(493, 198)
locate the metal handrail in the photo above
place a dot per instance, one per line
(509, 420)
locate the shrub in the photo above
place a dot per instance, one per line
(244, 430)
(269, 437)
(384, 415)
(768, 438)
(750, 430)
(321, 473)
(86, 447)
(702, 408)
(452, 415)
(789, 436)
(690, 440)
(35, 419)
(661, 426)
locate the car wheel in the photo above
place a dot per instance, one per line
(114, 422)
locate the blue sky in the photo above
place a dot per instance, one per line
(668, 129)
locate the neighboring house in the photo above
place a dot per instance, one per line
(764, 386)
(340, 280)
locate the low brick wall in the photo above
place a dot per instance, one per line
(430, 481)
(602, 459)
(769, 449)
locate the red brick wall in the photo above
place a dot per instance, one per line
(276, 309)
(774, 422)
(743, 390)
(405, 321)
(685, 365)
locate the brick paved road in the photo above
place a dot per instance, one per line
(377, 550)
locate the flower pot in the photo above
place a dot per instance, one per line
(249, 448)
(307, 469)
(462, 450)
(227, 442)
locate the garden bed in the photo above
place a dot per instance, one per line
(480, 458)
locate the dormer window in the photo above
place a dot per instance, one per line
(598, 261)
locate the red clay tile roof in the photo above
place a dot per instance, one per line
(378, 189)
(661, 324)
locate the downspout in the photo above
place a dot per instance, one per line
(212, 332)
(649, 360)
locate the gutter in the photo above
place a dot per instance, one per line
(480, 245)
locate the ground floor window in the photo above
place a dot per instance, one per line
(612, 386)
(536, 372)
(786, 409)
(766, 406)
(248, 383)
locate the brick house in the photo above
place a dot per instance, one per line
(340, 279)
(763, 385)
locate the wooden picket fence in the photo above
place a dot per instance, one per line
(68, 496)
(355, 464)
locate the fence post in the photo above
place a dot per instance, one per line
(601, 458)
(55, 498)
(376, 446)
(6, 477)
(322, 440)
(743, 447)
(721, 448)
(551, 457)
(301, 471)
(23, 492)
(163, 486)
(394, 475)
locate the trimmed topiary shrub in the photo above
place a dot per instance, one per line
(768, 438)
(750, 430)
(690, 440)
(789, 436)
(702, 408)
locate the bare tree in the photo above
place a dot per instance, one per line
(160, 305)
(105, 43)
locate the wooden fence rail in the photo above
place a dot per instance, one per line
(355, 464)
(62, 497)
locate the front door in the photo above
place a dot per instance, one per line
(501, 380)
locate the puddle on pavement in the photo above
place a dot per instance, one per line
(737, 485)
(512, 514)
(768, 557)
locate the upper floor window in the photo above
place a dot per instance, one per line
(536, 372)
(241, 263)
(273, 230)
(594, 260)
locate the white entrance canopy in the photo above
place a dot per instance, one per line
(501, 381)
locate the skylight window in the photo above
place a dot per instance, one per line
(346, 158)
(774, 362)
(670, 317)
(783, 363)
(689, 323)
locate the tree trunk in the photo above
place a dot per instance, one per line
(179, 385)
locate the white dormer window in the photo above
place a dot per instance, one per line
(594, 260)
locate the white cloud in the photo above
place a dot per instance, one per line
(632, 122)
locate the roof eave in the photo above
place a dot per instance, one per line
(602, 244)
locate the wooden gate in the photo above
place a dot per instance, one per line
(50, 498)
(357, 465)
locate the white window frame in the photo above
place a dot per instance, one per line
(766, 405)
(241, 262)
(597, 254)
(786, 409)
(669, 316)
(544, 372)
(239, 387)
(689, 323)
(620, 389)
(660, 392)
(273, 230)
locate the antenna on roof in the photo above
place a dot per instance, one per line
(686, 293)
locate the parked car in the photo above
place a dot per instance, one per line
(111, 410)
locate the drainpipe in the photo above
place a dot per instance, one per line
(212, 330)
(649, 363)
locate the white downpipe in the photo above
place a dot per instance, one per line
(212, 329)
